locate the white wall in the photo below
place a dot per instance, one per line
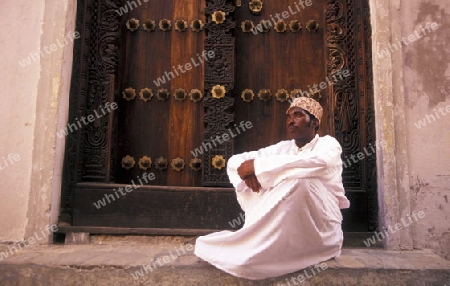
(32, 95)
(410, 82)
(20, 34)
(427, 86)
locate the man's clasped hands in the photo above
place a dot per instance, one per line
(247, 173)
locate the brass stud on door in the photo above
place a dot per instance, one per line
(263, 26)
(145, 163)
(218, 162)
(132, 24)
(312, 26)
(247, 95)
(218, 91)
(218, 17)
(180, 94)
(195, 164)
(264, 94)
(196, 95)
(295, 26)
(178, 164)
(146, 94)
(165, 25)
(197, 25)
(149, 25)
(181, 25)
(280, 26)
(247, 26)
(162, 94)
(129, 93)
(282, 95)
(161, 163)
(255, 6)
(128, 162)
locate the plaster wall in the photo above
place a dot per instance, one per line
(427, 86)
(34, 80)
(18, 110)
(412, 82)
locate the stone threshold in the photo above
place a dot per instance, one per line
(110, 260)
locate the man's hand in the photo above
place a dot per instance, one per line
(247, 173)
(252, 182)
(246, 169)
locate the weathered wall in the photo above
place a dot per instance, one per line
(427, 86)
(33, 33)
(412, 81)
(18, 110)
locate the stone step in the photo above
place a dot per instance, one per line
(119, 260)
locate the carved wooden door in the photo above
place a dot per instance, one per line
(183, 73)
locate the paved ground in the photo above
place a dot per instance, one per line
(119, 261)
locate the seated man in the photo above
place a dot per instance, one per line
(291, 193)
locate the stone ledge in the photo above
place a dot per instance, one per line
(112, 261)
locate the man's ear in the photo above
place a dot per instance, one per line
(315, 123)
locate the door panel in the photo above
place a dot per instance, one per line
(274, 61)
(155, 128)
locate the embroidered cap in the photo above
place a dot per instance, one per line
(308, 104)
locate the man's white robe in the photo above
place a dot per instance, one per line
(293, 222)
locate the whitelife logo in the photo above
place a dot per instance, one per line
(109, 198)
(422, 123)
(182, 250)
(34, 56)
(168, 76)
(237, 221)
(390, 230)
(416, 35)
(206, 146)
(131, 6)
(280, 16)
(107, 108)
(12, 158)
(340, 75)
(48, 230)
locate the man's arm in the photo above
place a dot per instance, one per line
(246, 172)
(242, 183)
(253, 183)
(246, 169)
(324, 160)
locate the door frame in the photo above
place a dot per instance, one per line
(96, 60)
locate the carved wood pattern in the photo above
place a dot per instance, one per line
(218, 114)
(104, 57)
(212, 176)
(349, 48)
(220, 69)
(90, 157)
(344, 97)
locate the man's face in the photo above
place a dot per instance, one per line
(299, 125)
